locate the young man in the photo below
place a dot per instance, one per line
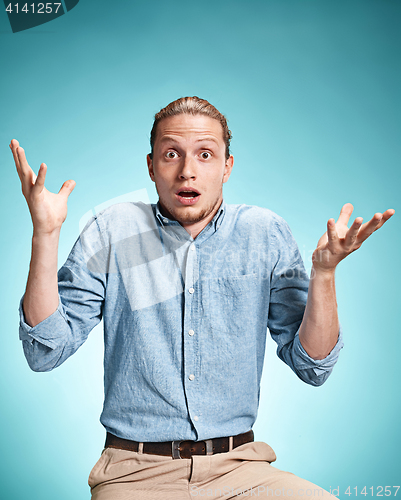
(187, 289)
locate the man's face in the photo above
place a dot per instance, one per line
(189, 167)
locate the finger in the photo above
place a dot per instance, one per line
(25, 168)
(345, 214)
(369, 227)
(386, 216)
(66, 188)
(40, 179)
(13, 146)
(332, 235)
(352, 233)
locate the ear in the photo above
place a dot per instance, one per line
(228, 168)
(150, 167)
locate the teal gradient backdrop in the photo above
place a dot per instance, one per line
(311, 89)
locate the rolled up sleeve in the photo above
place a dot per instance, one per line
(48, 332)
(315, 371)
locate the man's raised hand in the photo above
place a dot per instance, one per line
(48, 210)
(339, 240)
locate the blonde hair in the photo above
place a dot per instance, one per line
(191, 106)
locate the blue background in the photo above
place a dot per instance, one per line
(311, 89)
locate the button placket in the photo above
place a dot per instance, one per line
(190, 343)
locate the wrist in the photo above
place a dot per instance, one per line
(45, 237)
(40, 235)
(322, 272)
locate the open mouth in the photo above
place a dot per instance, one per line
(187, 196)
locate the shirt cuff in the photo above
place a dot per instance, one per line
(48, 332)
(319, 366)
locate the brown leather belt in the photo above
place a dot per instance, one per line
(180, 449)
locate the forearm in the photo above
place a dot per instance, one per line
(41, 294)
(319, 328)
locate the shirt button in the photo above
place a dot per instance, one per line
(165, 221)
(191, 377)
(192, 247)
(196, 418)
(191, 290)
(191, 332)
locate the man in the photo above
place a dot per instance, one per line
(186, 289)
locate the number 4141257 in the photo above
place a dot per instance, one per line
(378, 491)
(41, 8)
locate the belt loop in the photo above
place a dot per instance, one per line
(175, 449)
(230, 443)
(209, 446)
(140, 448)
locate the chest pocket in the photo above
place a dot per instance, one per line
(232, 303)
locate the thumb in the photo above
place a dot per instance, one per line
(66, 188)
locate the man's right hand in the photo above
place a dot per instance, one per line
(48, 210)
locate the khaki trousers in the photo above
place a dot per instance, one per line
(243, 472)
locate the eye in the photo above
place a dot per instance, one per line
(205, 155)
(171, 155)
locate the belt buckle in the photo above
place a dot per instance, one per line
(175, 448)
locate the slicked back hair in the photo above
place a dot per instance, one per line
(191, 106)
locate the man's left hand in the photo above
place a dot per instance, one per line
(339, 240)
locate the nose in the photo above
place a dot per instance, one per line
(188, 170)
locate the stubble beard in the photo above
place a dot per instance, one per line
(190, 215)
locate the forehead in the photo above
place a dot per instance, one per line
(186, 127)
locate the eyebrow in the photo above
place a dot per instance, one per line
(208, 139)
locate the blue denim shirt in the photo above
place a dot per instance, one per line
(185, 320)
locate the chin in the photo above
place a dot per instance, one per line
(190, 215)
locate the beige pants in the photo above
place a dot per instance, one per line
(242, 472)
